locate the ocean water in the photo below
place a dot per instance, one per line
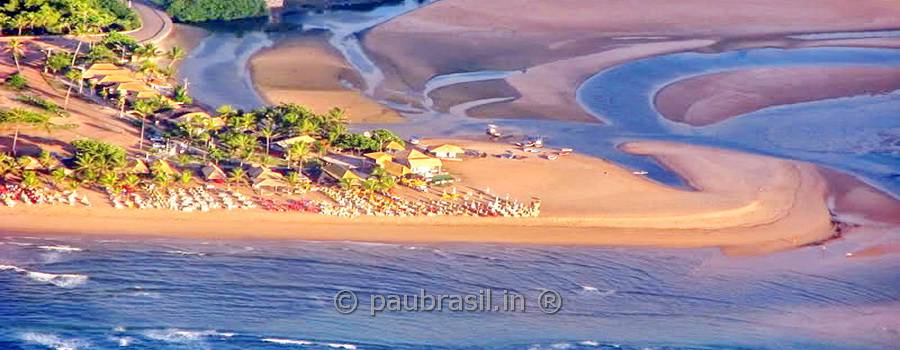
(163, 293)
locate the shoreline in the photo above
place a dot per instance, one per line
(785, 210)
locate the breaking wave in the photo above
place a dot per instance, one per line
(60, 248)
(53, 341)
(64, 280)
(174, 335)
(308, 342)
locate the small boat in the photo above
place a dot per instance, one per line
(552, 156)
(640, 172)
(492, 131)
(565, 151)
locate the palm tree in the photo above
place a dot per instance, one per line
(238, 176)
(241, 146)
(78, 30)
(131, 180)
(268, 130)
(293, 179)
(109, 181)
(16, 48)
(75, 75)
(225, 111)
(144, 109)
(297, 153)
(186, 177)
(59, 177)
(162, 179)
(387, 183)
(30, 179)
(20, 22)
(148, 51)
(46, 159)
(175, 54)
(347, 183)
(19, 117)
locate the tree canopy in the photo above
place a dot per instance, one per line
(212, 10)
(39, 17)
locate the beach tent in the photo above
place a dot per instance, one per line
(137, 166)
(394, 146)
(447, 151)
(379, 158)
(212, 172)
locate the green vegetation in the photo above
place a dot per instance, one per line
(42, 103)
(40, 17)
(212, 10)
(17, 118)
(96, 159)
(17, 81)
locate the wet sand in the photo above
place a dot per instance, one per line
(467, 35)
(307, 71)
(585, 201)
(712, 98)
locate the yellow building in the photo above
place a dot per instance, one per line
(420, 163)
(394, 146)
(447, 151)
(337, 173)
(379, 158)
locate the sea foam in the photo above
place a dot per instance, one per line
(283, 341)
(60, 248)
(175, 335)
(287, 341)
(65, 280)
(53, 341)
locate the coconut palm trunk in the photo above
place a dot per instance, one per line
(141, 142)
(15, 140)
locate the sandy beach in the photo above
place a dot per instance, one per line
(306, 70)
(712, 98)
(585, 201)
(466, 35)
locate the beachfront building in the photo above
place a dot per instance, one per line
(379, 158)
(264, 178)
(196, 118)
(212, 172)
(447, 151)
(394, 147)
(284, 144)
(420, 163)
(335, 173)
(396, 169)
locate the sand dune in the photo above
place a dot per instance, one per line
(712, 98)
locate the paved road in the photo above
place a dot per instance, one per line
(156, 24)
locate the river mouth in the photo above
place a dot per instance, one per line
(621, 96)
